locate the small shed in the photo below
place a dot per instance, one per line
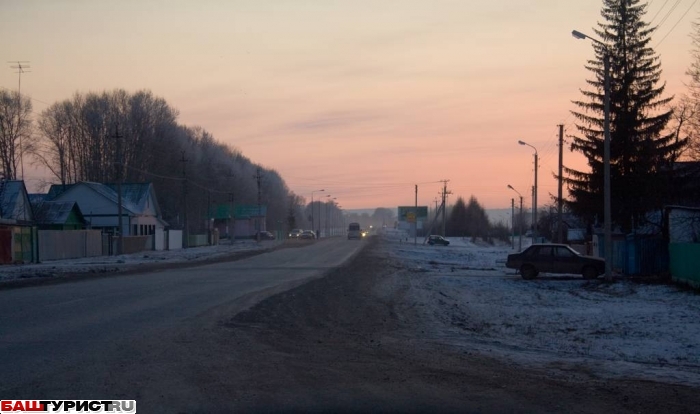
(17, 235)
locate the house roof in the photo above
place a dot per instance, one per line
(132, 192)
(130, 198)
(11, 192)
(134, 195)
(37, 197)
(54, 212)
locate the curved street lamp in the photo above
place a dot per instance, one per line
(607, 216)
(520, 238)
(534, 195)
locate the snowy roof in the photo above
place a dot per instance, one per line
(11, 192)
(37, 197)
(130, 198)
(132, 192)
(54, 212)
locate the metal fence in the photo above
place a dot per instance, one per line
(69, 244)
(685, 263)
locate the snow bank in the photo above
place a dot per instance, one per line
(102, 264)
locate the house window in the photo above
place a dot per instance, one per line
(136, 229)
(141, 229)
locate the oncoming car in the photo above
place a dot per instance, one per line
(295, 233)
(354, 231)
(554, 258)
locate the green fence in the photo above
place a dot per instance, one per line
(685, 263)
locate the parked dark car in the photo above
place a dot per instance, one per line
(436, 239)
(554, 258)
(307, 234)
(265, 235)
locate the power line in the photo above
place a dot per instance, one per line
(669, 13)
(658, 11)
(679, 20)
(26, 96)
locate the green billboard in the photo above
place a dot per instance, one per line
(413, 213)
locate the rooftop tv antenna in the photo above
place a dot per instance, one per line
(21, 66)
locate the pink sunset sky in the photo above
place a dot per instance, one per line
(362, 98)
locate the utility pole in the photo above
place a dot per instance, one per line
(520, 241)
(444, 204)
(209, 218)
(533, 214)
(258, 179)
(560, 201)
(185, 231)
(415, 220)
(607, 195)
(512, 222)
(118, 172)
(534, 192)
(231, 214)
(21, 66)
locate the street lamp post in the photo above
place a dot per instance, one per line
(607, 215)
(338, 217)
(319, 216)
(520, 242)
(328, 214)
(534, 195)
(312, 209)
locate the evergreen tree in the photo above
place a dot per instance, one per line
(457, 222)
(641, 152)
(477, 221)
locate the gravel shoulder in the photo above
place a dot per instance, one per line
(352, 341)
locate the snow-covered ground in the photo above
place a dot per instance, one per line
(624, 329)
(104, 264)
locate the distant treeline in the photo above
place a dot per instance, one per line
(103, 137)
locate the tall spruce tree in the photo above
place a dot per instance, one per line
(641, 149)
(457, 222)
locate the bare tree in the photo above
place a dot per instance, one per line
(78, 143)
(15, 131)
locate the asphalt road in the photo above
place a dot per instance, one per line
(50, 329)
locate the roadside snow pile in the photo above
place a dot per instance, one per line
(106, 264)
(623, 329)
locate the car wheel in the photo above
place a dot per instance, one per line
(528, 272)
(590, 272)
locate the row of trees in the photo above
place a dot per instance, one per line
(470, 220)
(135, 137)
